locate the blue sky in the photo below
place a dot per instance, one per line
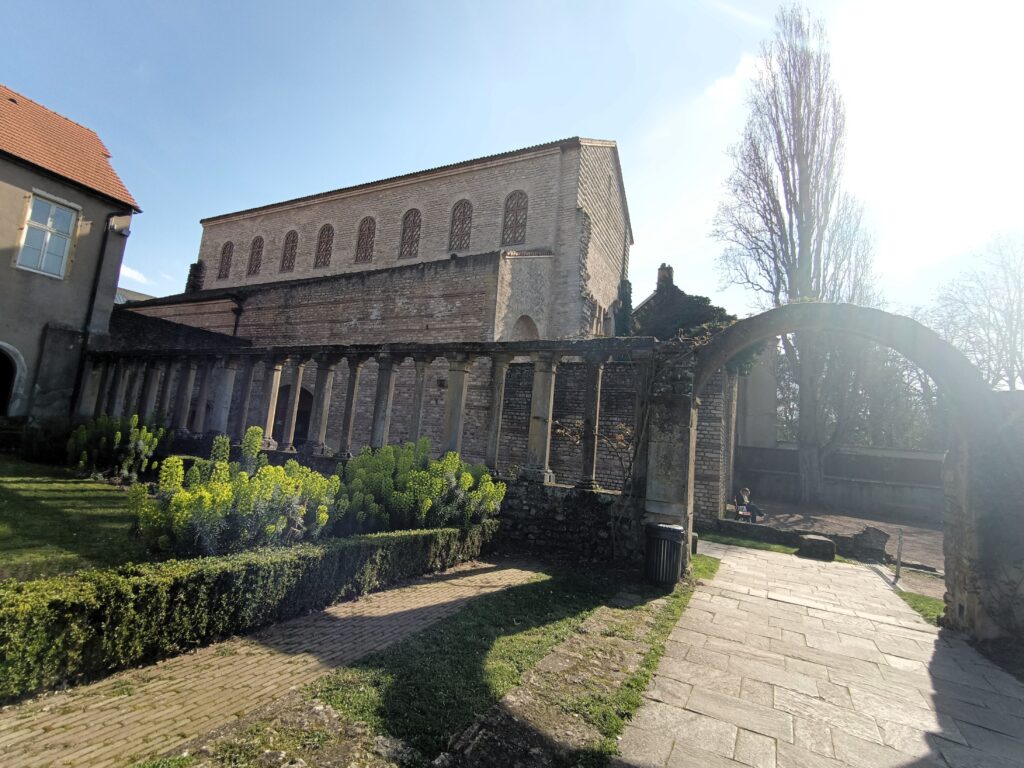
(210, 107)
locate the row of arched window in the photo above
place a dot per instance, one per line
(513, 232)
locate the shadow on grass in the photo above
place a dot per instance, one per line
(52, 521)
(430, 686)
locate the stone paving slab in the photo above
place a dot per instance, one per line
(152, 710)
(781, 662)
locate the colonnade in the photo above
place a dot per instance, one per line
(163, 386)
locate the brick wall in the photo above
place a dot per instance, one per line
(710, 475)
(451, 300)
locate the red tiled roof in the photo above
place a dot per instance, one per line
(31, 132)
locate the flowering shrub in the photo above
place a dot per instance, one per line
(217, 507)
(400, 487)
(116, 446)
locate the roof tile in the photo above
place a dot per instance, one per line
(31, 132)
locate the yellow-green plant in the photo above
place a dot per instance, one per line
(121, 447)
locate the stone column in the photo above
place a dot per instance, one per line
(99, 406)
(163, 408)
(150, 386)
(499, 369)
(222, 396)
(538, 446)
(671, 447)
(416, 427)
(298, 366)
(205, 385)
(89, 393)
(244, 402)
(183, 400)
(131, 400)
(591, 423)
(382, 401)
(455, 403)
(355, 368)
(642, 372)
(115, 397)
(271, 385)
(316, 438)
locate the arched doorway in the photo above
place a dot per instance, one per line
(8, 372)
(301, 418)
(12, 381)
(983, 541)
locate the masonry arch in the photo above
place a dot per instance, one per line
(978, 470)
(12, 381)
(525, 329)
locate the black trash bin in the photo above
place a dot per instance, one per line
(664, 553)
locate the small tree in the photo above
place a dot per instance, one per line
(982, 314)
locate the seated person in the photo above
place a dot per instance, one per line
(743, 503)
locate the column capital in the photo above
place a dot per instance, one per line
(501, 358)
(327, 359)
(546, 360)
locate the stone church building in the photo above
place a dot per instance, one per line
(526, 244)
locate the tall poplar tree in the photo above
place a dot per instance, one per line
(791, 232)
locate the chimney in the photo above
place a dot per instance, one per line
(665, 277)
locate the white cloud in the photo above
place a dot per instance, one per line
(738, 13)
(133, 275)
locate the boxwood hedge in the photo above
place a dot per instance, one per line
(71, 628)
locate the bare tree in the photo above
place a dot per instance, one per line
(791, 233)
(982, 313)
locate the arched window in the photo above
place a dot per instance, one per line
(514, 230)
(410, 234)
(462, 226)
(324, 246)
(364, 243)
(255, 256)
(291, 245)
(224, 271)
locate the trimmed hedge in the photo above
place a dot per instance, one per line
(68, 629)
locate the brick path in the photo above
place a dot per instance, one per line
(787, 662)
(152, 710)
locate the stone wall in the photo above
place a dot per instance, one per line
(451, 300)
(569, 525)
(710, 469)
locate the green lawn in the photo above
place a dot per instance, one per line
(930, 608)
(54, 522)
(739, 541)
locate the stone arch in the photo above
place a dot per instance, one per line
(978, 472)
(525, 329)
(13, 377)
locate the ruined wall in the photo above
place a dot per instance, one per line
(569, 525)
(451, 300)
(710, 471)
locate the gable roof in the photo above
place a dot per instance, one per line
(573, 142)
(32, 133)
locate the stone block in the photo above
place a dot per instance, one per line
(817, 548)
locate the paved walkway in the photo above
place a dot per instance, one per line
(787, 662)
(152, 710)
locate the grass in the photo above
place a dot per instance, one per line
(767, 546)
(930, 608)
(609, 713)
(54, 522)
(738, 541)
(432, 685)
